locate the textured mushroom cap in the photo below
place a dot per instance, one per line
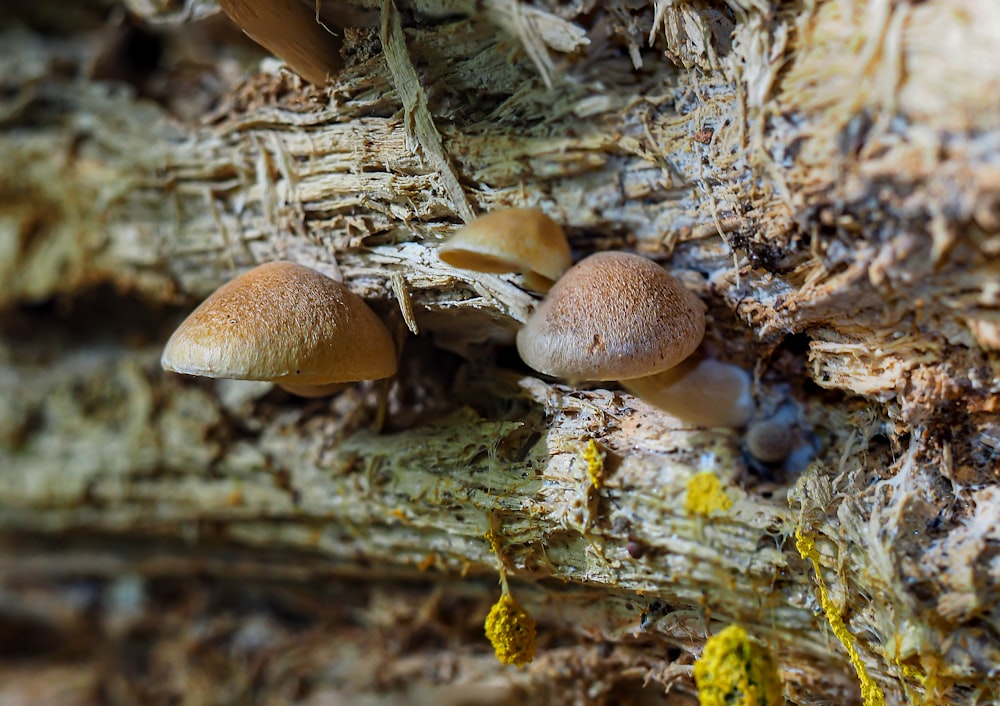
(286, 323)
(510, 240)
(613, 316)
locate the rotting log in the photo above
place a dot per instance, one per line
(826, 176)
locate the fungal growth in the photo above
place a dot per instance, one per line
(508, 626)
(782, 442)
(706, 495)
(619, 316)
(287, 324)
(737, 671)
(512, 240)
(771, 440)
(511, 630)
(290, 30)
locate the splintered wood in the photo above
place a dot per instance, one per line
(824, 176)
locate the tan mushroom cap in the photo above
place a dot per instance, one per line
(613, 316)
(284, 323)
(511, 240)
(290, 30)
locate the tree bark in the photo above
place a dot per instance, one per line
(825, 176)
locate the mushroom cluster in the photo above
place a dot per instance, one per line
(612, 316)
(619, 316)
(287, 324)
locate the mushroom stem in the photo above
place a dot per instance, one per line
(382, 410)
(311, 391)
(537, 282)
(290, 30)
(702, 391)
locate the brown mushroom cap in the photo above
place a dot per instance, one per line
(285, 323)
(290, 30)
(771, 440)
(511, 240)
(613, 316)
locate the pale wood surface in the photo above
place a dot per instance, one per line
(827, 182)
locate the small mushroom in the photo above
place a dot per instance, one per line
(770, 441)
(290, 30)
(512, 240)
(774, 439)
(619, 316)
(287, 324)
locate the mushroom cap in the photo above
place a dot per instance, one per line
(770, 440)
(510, 240)
(284, 323)
(613, 316)
(291, 30)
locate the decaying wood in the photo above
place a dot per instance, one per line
(826, 176)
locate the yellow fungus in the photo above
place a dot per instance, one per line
(235, 497)
(493, 538)
(871, 693)
(511, 631)
(427, 562)
(911, 672)
(705, 495)
(508, 626)
(735, 671)
(594, 458)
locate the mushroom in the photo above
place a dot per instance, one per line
(619, 316)
(770, 441)
(511, 240)
(287, 324)
(290, 30)
(773, 439)
(612, 316)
